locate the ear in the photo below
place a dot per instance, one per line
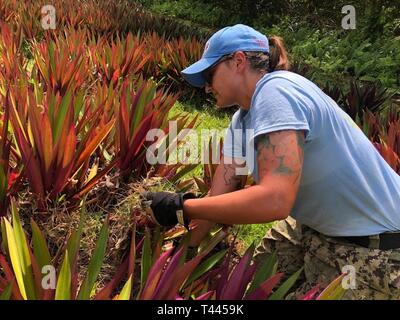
(240, 61)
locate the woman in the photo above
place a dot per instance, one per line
(336, 199)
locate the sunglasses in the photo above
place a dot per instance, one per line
(209, 72)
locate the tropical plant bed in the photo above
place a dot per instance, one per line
(155, 266)
(76, 104)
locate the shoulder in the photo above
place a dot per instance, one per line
(282, 76)
(280, 82)
(285, 89)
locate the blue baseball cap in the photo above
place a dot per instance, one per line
(225, 41)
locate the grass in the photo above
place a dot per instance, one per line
(212, 118)
(208, 118)
(250, 233)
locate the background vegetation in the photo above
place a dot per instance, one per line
(76, 103)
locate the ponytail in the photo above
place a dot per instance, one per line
(278, 59)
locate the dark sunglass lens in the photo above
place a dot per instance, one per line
(208, 76)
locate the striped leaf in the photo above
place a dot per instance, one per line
(40, 248)
(63, 289)
(16, 260)
(126, 290)
(206, 266)
(280, 293)
(334, 291)
(266, 270)
(95, 264)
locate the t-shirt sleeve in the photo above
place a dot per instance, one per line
(280, 105)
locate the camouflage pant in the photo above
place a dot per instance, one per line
(377, 272)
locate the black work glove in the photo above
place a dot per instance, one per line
(166, 208)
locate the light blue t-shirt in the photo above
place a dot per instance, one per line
(346, 187)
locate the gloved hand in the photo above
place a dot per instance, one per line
(166, 208)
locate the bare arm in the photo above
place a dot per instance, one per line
(225, 181)
(280, 161)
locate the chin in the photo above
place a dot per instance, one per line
(224, 105)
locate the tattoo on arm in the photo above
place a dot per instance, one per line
(281, 153)
(230, 177)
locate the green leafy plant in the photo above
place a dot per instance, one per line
(53, 143)
(384, 131)
(141, 109)
(60, 63)
(23, 265)
(361, 97)
(118, 60)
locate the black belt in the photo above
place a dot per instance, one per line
(383, 241)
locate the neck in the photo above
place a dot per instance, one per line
(248, 88)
